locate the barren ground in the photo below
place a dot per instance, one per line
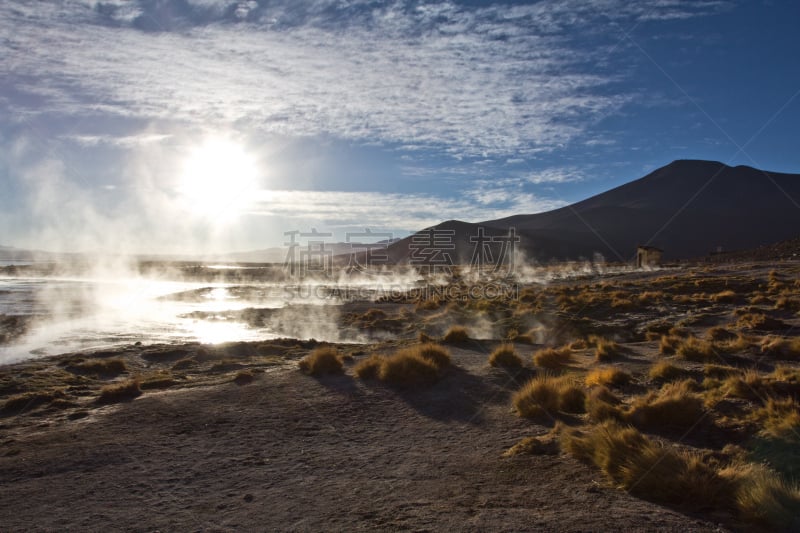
(237, 438)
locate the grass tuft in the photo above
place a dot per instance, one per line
(369, 368)
(676, 405)
(123, 391)
(608, 376)
(438, 355)
(665, 371)
(546, 395)
(781, 348)
(101, 367)
(605, 349)
(505, 356)
(645, 468)
(694, 349)
(321, 361)
(407, 368)
(761, 496)
(601, 404)
(552, 358)
(456, 335)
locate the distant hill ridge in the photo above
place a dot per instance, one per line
(688, 208)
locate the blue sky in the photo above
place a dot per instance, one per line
(217, 125)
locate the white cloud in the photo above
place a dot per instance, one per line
(125, 141)
(387, 210)
(469, 81)
(556, 175)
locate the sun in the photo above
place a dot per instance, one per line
(218, 179)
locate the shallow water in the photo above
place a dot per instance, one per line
(73, 314)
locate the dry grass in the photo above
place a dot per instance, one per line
(720, 371)
(762, 497)
(119, 392)
(749, 385)
(668, 344)
(694, 349)
(456, 335)
(718, 333)
(547, 395)
(667, 475)
(436, 354)
(723, 297)
(665, 371)
(760, 321)
(601, 404)
(101, 367)
(609, 376)
(552, 358)
(27, 401)
(676, 406)
(645, 468)
(787, 304)
(544, 445)
(369, 368)
(605, 349)
(781, 348)
(407, 368)
(506, 357)
(780, 419)
(415, 365)
(321, 361)
(183, 364)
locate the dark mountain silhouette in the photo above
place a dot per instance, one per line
(688, 208)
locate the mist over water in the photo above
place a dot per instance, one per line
(112, 304)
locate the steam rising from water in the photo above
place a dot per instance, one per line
(114, 304)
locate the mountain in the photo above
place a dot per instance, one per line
(688, 208)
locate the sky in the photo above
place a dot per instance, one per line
(207, 126)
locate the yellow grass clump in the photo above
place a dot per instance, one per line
(665, 371)
(321, 361)
(605, 349)
(724, 297)
(780, 418)
(694, 349)
(106, 367)
(369, 368)
(601, 404)
(505, 356)
(761, 496)
(609, 376)
(547, 395)
(781, 348)
(552, 358)
(408, 368)
(456, 335)
(27, 401)
(787, 304)
(645, 468)
(436, 354)
(119, 392)
(759, 321)
(668, 344)
(749, 385)
(676, 405)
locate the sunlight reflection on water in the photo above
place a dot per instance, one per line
(77, 314)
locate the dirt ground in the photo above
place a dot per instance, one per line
(235, 437)
(293, 453)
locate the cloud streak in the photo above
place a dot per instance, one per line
(466, 81)
(392, 211)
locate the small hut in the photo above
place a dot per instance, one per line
(648, 256)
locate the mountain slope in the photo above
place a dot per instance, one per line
(688, 208)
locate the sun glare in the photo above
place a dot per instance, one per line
(218, 179)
